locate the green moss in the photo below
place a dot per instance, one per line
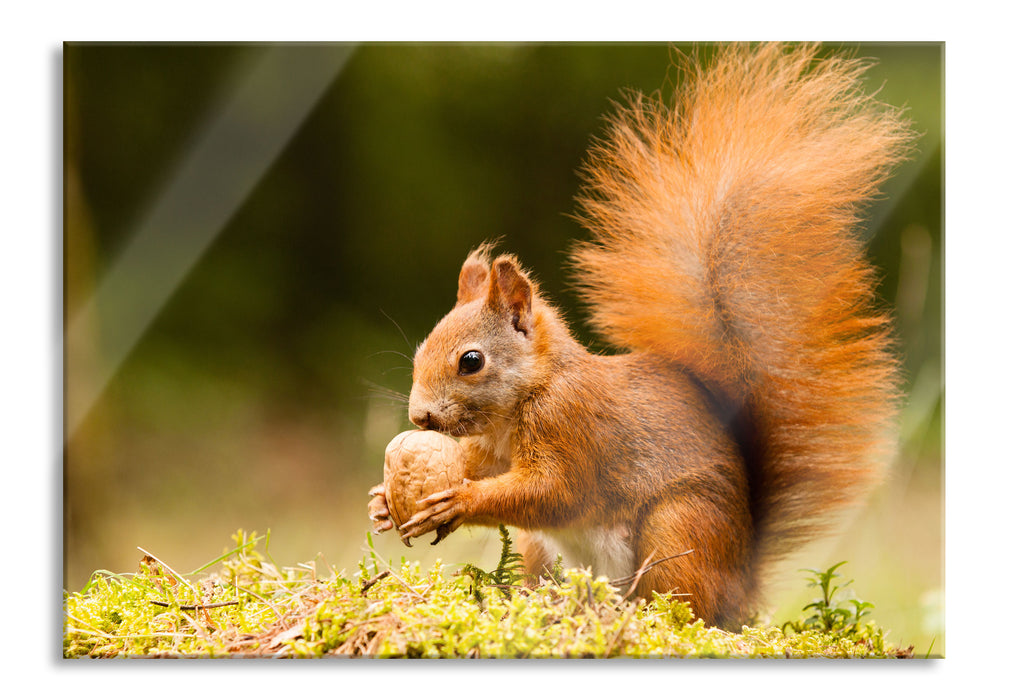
(250, 606)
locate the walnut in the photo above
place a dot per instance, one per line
(419, 463)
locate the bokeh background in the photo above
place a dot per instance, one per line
(257, 236)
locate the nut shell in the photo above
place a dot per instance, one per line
(419, 463)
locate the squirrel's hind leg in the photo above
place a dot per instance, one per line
(713, 570)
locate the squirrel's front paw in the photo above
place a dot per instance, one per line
(378, 509)
(443, 511)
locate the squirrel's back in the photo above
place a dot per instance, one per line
(726, 238)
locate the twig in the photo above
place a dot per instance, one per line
(645, 568)
(194, 607)
(372, 581)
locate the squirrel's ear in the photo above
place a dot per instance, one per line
(511, 291)
(473, 279)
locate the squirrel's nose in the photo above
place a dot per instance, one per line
(420, 418)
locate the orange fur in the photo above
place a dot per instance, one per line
(737, 207)
(758, 393)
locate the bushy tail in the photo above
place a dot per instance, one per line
(726, 238)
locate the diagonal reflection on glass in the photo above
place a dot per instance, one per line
(234, 151)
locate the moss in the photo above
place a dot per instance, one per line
(251, 607)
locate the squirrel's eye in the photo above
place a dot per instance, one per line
(471, 362)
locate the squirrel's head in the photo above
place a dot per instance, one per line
(480, 359)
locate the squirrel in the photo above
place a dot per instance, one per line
(755, 389)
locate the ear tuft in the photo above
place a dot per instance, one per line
(473, 277)
(512, 292)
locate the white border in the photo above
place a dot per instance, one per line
(975, 271)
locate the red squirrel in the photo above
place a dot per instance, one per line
(757, 390)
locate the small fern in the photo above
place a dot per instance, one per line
(509, 571)
(510, 567)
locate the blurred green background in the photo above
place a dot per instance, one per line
(258, 395)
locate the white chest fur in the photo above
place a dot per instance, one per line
(606, 550)
(496, 446)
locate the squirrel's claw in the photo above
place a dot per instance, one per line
(439, 496)
(444, 513)
(378, 509)
(444, 531)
